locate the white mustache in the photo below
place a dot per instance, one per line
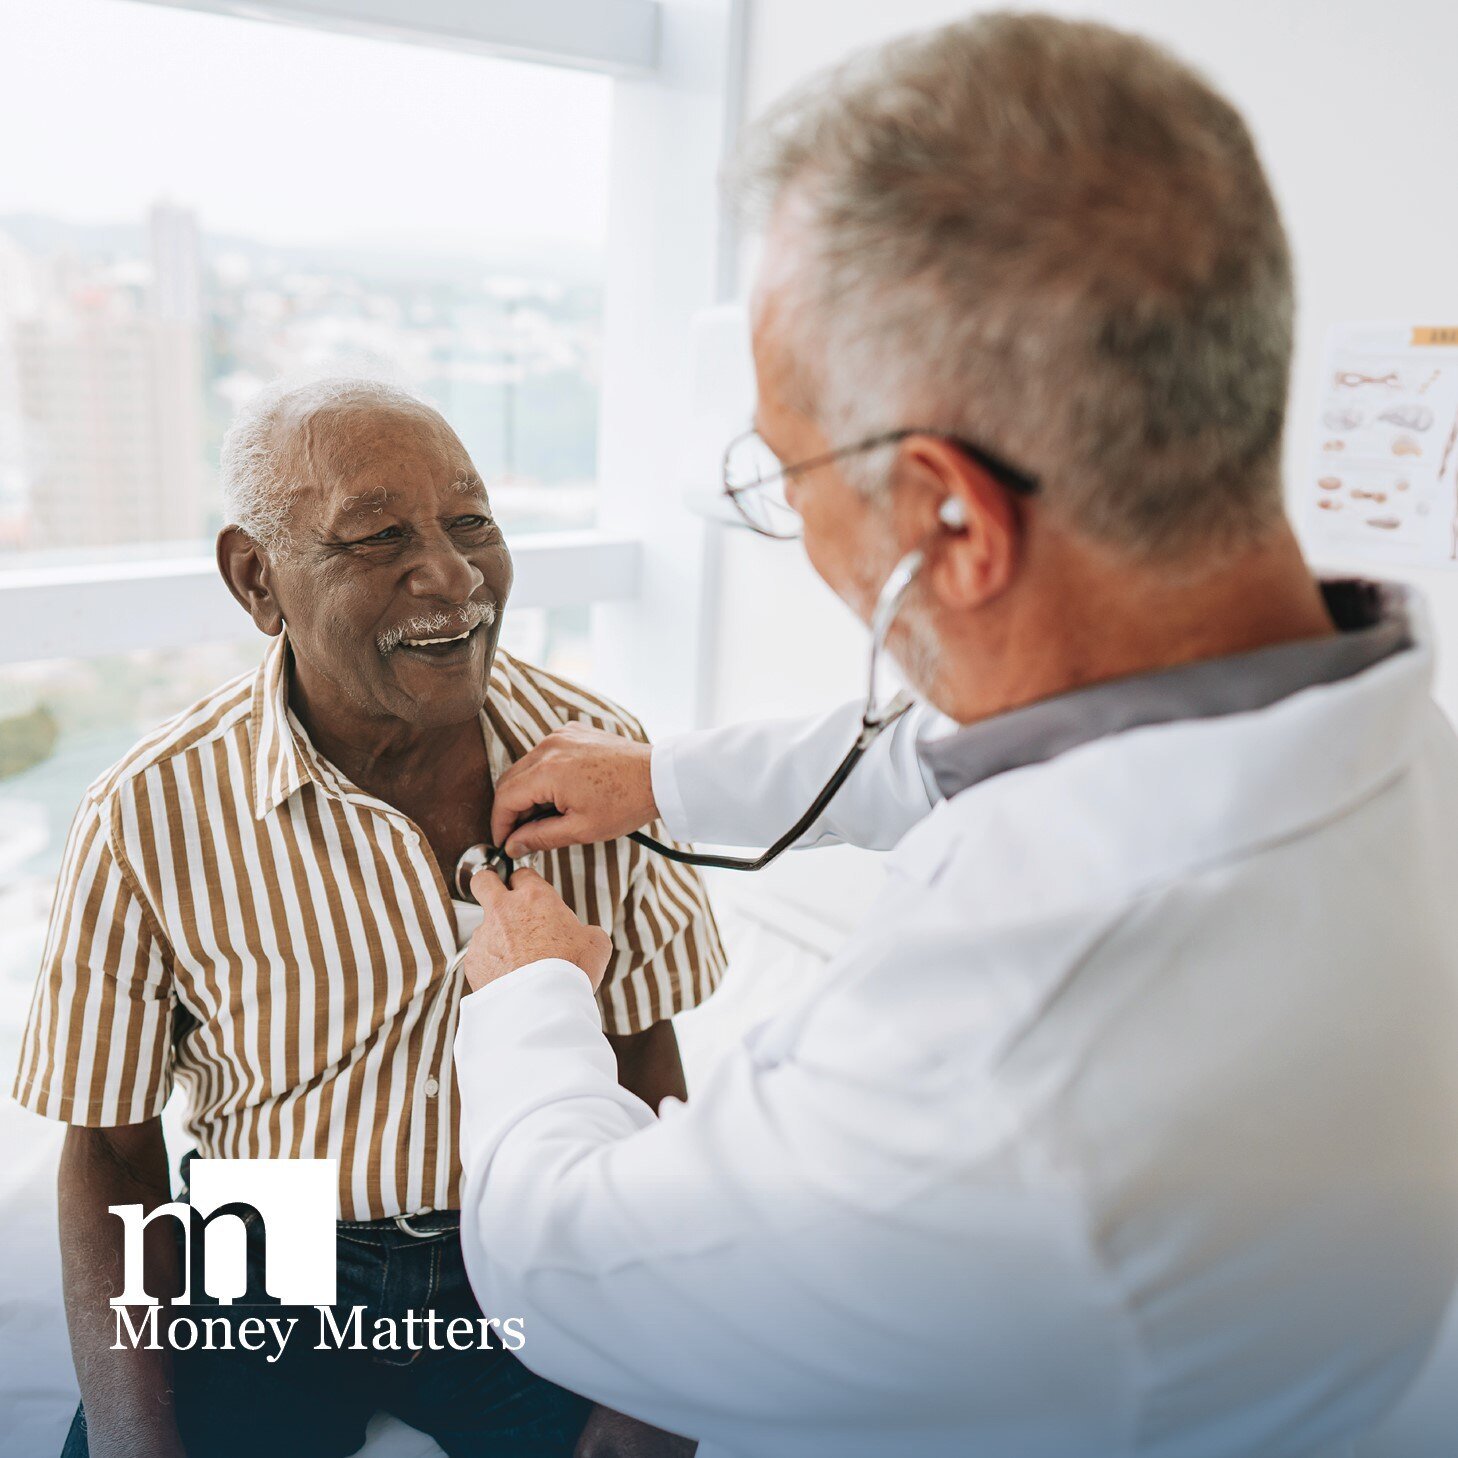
(464, 619)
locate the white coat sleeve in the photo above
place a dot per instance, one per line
(798, 1249)
(746, 784)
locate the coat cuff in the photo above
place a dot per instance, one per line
(667, 789)
(552, 978)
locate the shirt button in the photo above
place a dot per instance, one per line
(432, 1087)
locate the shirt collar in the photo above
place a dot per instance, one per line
(1373, 623)
(504, 726)
(284, 758)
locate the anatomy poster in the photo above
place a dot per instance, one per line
(1384, 479)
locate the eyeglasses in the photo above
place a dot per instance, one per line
(755, 481)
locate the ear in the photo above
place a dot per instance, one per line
(249, 575)
(970, 525)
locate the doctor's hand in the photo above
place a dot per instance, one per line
(586, 784)
(527, 922)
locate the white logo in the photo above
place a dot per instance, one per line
(295, 1200)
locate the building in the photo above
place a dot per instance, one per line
(110, 391)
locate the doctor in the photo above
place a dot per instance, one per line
(1127, 1121)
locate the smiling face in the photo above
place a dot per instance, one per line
(396, 577)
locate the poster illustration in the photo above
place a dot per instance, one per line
(1383, 481)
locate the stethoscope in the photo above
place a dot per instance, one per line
(874, 721)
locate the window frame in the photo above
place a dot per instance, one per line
(98, 609)
(618, 37)
(649, 570)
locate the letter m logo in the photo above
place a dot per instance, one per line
(295, 1200)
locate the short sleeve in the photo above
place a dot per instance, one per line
(667, 955)
(98, 1042)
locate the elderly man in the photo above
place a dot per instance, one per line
(256, 905)
(1127, 1123)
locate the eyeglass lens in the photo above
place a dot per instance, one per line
(756, 482)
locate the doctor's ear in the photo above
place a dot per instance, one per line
(249, 574)
(974, 556)
(969, 527)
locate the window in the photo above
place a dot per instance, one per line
(203, 203)
(202, 200)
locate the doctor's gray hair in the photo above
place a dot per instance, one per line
(1052, 239)
(257, 468)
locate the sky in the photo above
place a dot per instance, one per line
(293, 136)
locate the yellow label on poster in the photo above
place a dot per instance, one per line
(1434, 334)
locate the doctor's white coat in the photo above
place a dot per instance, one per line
(1127, 1122)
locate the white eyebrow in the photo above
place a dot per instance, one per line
(371, 501)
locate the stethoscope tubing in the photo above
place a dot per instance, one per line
(709, 861)
(888, 604)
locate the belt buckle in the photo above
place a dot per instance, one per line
(402, 1222)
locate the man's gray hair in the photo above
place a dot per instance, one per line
(1056, 241)
(257, 467)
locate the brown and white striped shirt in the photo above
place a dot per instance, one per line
(235, 916)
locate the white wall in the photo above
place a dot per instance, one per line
(1355, 109)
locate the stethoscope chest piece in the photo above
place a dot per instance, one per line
(481, 858)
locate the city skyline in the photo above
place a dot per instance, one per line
(125, 349)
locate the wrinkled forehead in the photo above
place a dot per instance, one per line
(358, 456)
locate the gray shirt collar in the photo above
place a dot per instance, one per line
(1372, 622)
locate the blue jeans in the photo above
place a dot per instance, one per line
(315, 1404)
